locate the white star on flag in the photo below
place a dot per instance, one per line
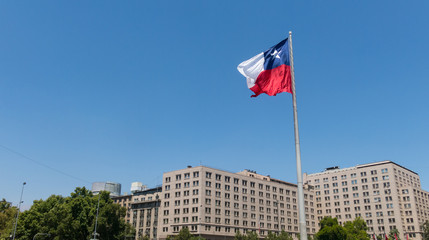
(276, 54)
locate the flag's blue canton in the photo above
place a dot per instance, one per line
(277, 55)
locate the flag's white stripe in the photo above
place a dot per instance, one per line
(251, 68)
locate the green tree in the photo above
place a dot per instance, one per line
(271, 236)
(285, 236)
(425, 230)
(282, 236)
(250, 235)
(392, 234)
(145, 237)
(185, 234)
(239, 236)
(356, 230)
(330, 230)
(74, 217)
(7, 218)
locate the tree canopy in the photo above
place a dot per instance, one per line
(282, 236)
(331, 230)
(425, 230)
(394, 234)
(184, 234)
(74, 217)
(7, 218)
(246, 236)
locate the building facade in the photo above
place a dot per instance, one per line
(124, 201)
(216, 204)
(142, 211)
(385, 194)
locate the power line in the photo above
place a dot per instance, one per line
(42, 164)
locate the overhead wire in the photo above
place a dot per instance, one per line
(42, 164)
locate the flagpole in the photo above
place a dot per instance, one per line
(301, 207)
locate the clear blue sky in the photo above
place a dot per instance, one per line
(126, 90)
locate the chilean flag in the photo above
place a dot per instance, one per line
(269, 72)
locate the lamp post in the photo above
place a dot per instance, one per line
(46, 234)
(96, 218)
(19, 209)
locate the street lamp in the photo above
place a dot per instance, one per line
(19, 209)
(46, 234)
(96, 217)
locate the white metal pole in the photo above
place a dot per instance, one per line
(301, 207)
(19, 209)
(96, 217)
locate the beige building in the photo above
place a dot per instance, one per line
(216, 204)
(385, 194)
(142, 211)
(124, 201)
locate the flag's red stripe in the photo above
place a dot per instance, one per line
(273, 81)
